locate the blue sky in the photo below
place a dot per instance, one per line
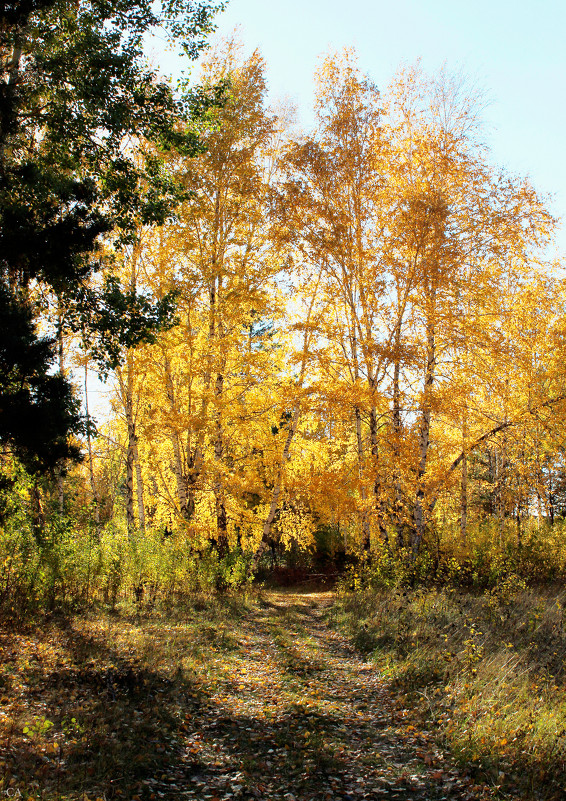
(514, 50)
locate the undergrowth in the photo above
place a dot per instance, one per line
(487, 669)
(65, 568)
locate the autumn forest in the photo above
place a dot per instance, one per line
(312, 545)
(367, 331)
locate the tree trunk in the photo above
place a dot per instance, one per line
(182, 495)
(502, 482)
(378, 500)
(397, 431)
(464, 483)
(365, 519)
(134, 494)
(178, 472)
(215, 336)
(38, 513)
(492, 481)
(221, 517)
(139, 488)
(134, 488)
(95, 500)
(424, 439)
(366, 532)
(61, 359)
(130, 517)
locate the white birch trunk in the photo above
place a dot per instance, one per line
(424, 440)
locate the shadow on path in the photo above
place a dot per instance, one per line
(269, 704)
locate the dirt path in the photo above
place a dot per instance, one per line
(299, 716)
(225, 701)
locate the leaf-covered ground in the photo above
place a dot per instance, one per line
(226, 701)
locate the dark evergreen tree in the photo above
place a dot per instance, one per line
(76, 97)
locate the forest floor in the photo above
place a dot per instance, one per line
(227, 700)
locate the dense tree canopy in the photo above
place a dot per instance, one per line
(351, 331)
(365, 310)
(76, 97)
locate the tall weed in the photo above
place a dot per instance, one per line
(487, 669)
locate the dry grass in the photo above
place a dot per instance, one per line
(226, 698)
(489, 670)
(94, 706)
